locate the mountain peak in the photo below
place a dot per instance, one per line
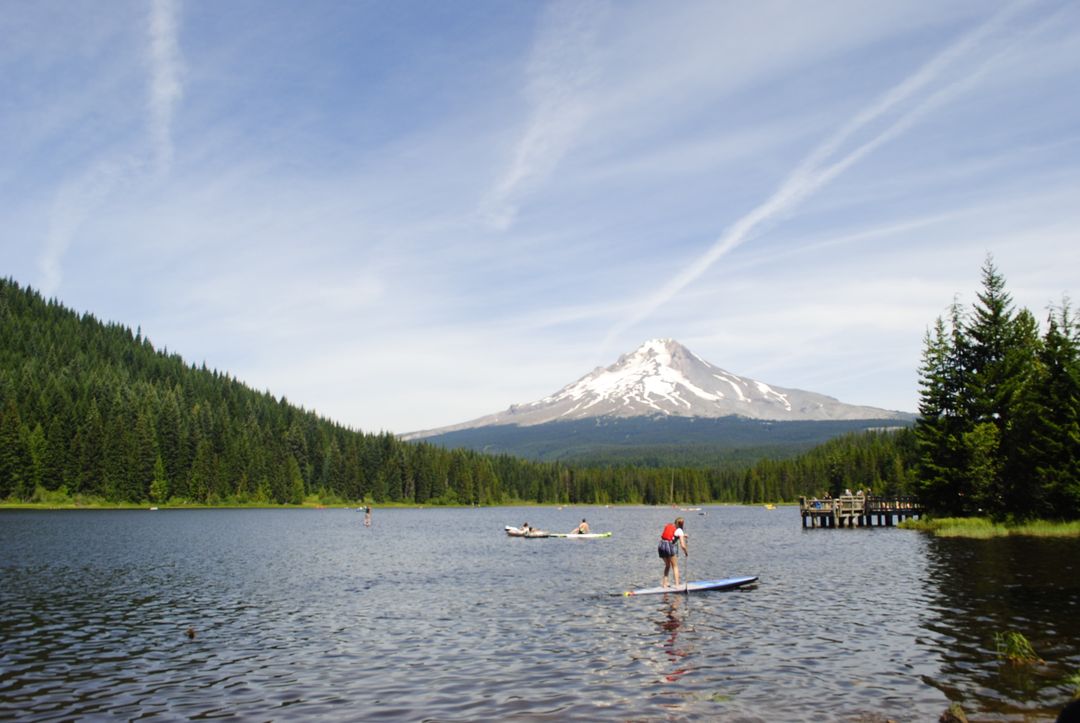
(662, 377)
(661, 349)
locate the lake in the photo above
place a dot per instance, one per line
(435, 614)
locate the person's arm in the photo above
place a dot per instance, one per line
(682, 544)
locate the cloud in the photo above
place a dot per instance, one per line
(821, 165)
(81, 194)
(76, 199)
(166, 87)
(562, 65)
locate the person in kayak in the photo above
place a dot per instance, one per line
(582, 529)
(671, 539)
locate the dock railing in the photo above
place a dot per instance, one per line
(857, 510)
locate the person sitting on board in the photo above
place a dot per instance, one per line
(671, 539)
(525, 529)
(582, 529)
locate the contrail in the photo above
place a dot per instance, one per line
(78, 197)
(561, 67)
(812, 174)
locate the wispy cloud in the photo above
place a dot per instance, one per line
(562, 65)
(166, 87)
(76, 199)
(909, 100)
(408, 216)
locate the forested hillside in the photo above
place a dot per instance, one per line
(658, 441)
(92, 411)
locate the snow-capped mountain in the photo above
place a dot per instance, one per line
(662, 377)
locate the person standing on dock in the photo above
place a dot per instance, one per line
(671, 539)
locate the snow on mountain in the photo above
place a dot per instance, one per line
(662, 377)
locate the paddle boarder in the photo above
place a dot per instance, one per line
(582, 529)
(671, 540)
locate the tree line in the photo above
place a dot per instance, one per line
(998, 432)
(92, 411)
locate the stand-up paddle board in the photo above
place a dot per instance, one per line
(728, 583)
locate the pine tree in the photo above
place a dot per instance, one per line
(91, 453)
(296, 483)
(159, 487)
(14, 457)
(1048, 417)
(1000, 357)
(940, 426)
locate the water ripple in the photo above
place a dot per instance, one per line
(298, 615)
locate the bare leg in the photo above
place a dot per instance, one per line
(675, 567)
(667, 567)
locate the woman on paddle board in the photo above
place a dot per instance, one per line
(671, 539)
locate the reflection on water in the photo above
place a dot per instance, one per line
(670, 624)
(987, 587)
(308, 614)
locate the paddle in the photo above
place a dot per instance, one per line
(686, 577)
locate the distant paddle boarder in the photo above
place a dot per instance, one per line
(671, 539)
(582, 529)
(367, 516)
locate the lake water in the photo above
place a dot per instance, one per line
(436, 614)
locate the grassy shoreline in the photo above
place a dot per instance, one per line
(983, 528)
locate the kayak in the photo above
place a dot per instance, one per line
(518, 532)
(728, 583)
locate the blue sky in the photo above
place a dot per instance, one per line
(408, 214)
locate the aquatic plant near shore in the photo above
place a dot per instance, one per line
(1015, 648)
(1074, 681)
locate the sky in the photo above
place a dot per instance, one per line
(408, 214)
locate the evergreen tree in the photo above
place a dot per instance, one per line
(159, 487)
(91, 453)
(296, 482)
(941, 423)
(15, 465)
(1048, 416)
(201, 478)
(170, 437)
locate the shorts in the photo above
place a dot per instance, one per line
(667, 549)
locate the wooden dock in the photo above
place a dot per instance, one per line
(857, 511)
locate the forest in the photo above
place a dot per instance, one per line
(91, 412)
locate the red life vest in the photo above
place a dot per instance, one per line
(668, 533)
